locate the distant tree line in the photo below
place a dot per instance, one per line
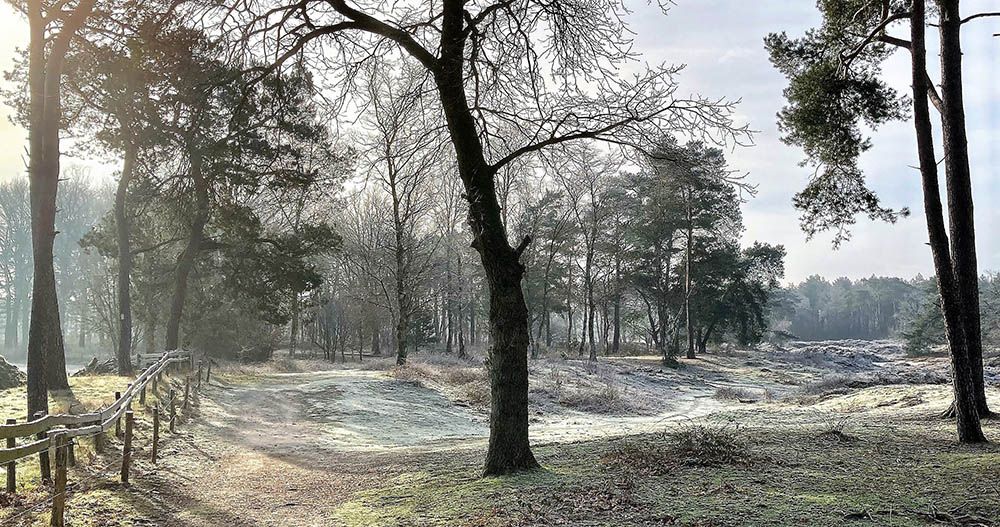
(869, 308)
(877, 308)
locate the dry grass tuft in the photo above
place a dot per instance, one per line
(463, 383)
(694, 445)
(606, 399)
(743, 395)
(831, 384)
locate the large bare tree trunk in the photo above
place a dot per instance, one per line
(124, 353)
(969, 429)
(187, 258)
(959, 191)
(509, 449)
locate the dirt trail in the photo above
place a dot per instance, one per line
(369, 411)
(292, 447)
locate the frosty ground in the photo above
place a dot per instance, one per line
(820, 433)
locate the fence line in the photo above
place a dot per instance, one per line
(58, 431)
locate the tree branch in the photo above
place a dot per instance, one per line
(373, 25)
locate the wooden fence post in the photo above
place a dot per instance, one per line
(142, 395)
(12, 466)
(43, 456)
(187, 391)
(99, 442)
(118, 421)
(173, 411)
(127, 448)
(59, 493)
(156, 431)
(71, 453)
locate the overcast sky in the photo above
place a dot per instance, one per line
(720, 41)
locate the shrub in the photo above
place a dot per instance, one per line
(703, 445)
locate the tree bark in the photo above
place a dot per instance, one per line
(402, 269)
(13, 316)
(617, 317)
(459, 316)
(472, 318)
(967, 417)
(376, 339)
(959, 191)
(123, 355)
(152, 310)
(187, 259)
(509, 450)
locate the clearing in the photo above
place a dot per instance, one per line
(821, 433)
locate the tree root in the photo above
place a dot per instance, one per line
(952, 413)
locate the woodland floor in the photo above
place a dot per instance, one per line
(803, 436)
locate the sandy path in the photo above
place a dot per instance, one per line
(290, 448)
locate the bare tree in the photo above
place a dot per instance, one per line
(404, 158)
(584, 176)
(487, 62)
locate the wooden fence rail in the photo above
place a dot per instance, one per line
(57, 431)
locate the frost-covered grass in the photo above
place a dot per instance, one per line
(87, 393)
(776, 475)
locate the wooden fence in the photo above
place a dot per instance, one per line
(53, 436)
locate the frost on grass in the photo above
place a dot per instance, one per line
(460, 380)
(743, 395)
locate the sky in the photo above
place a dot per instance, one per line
(721, 43)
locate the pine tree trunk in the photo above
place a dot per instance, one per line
(959, 190)
(616, 326)
(967, 417)
(81, 335)
(152, 313)
(12, 313)
(46, 53)
(293, 333)
(689, 324)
